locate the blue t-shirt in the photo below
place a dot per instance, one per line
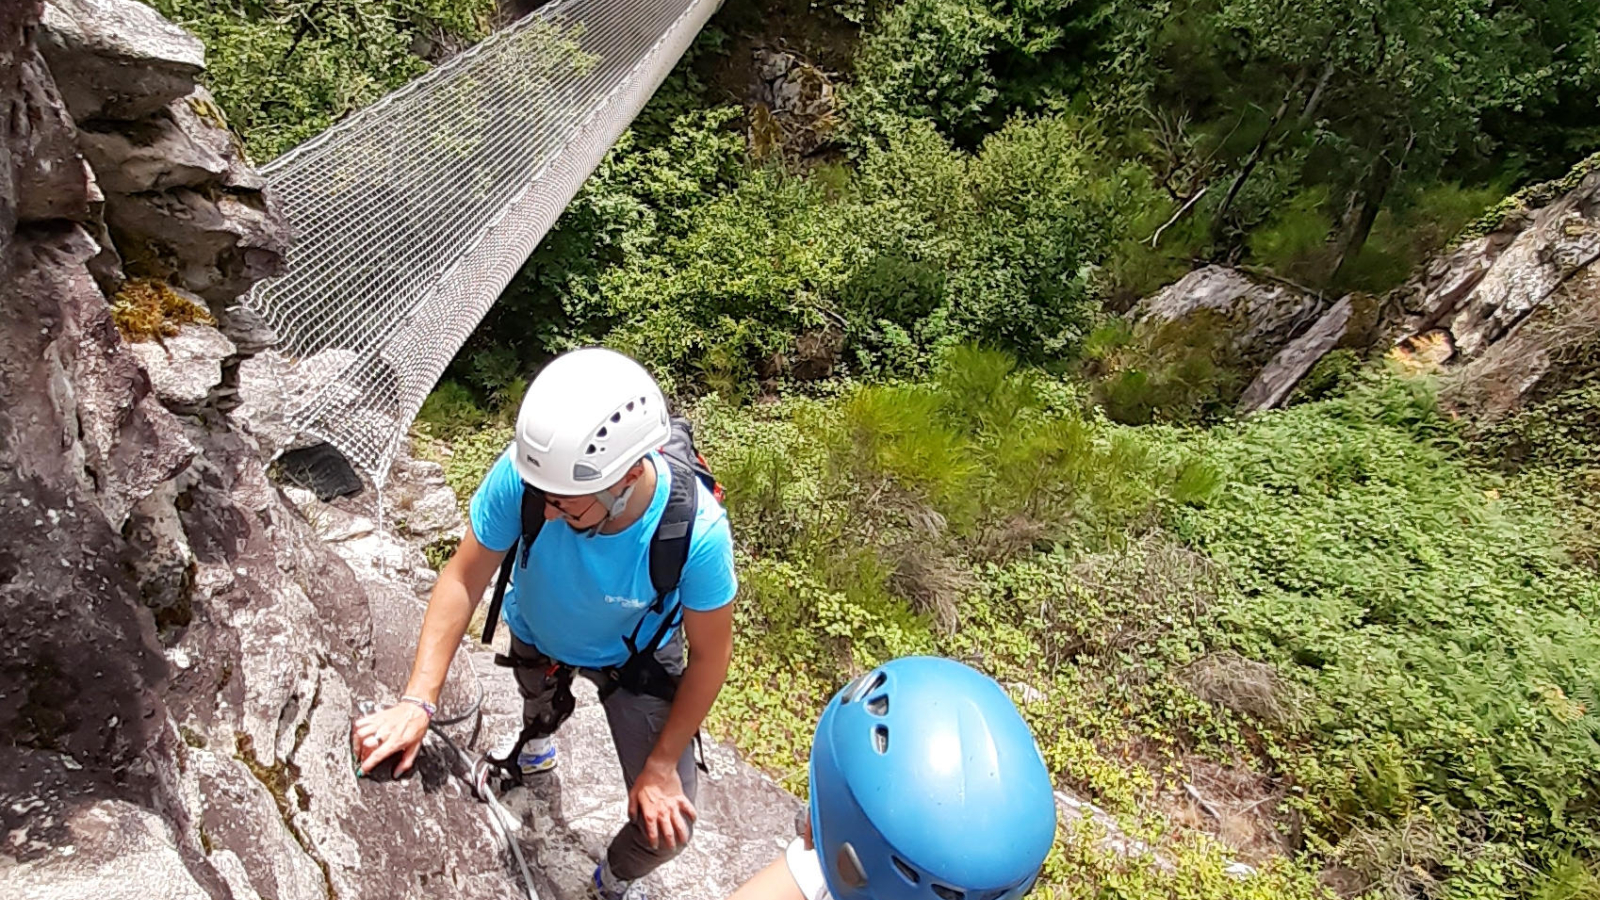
(579, 596)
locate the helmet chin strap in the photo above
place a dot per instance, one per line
(613, 504)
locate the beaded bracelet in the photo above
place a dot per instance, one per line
(427, 707)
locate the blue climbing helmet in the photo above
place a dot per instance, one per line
(927, 784)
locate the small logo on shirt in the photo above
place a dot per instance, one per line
(626, 602)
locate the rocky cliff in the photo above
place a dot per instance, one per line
(1508, 318)
(182, 644)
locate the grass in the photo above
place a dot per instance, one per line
(1326, 630)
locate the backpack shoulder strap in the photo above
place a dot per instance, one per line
(669, 547)
(532, 514)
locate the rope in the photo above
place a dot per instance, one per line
(475, 771)
(413, 214)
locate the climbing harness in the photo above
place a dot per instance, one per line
(641, 673)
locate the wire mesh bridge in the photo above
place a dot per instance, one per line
(412, 215)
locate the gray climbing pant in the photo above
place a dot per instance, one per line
(636, 722)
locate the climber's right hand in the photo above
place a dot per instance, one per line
(398, 729)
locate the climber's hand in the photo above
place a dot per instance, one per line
(658, 804)
(398, 729)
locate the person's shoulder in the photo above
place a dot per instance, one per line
(503, 473)
(501, 486)
(708, 509)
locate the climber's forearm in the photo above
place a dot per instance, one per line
(443, 626)
(710, 636)
(450, 607)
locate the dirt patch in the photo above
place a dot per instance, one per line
(1234, 804)
(825, 39)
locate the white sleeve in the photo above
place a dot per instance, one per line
(806, 867)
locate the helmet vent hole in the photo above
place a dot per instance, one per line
(616, 417)
(905, 870)
(849, 867)
(629, 407)
(945, 893)
(533, 460)
(865, 686)
(879, 705)
(880, 738)
(601, 433)
(591, 448)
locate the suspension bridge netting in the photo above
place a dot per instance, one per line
(412, 215)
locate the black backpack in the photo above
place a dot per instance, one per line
(669, 550)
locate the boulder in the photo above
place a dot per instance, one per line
(186, 367)
(216, 243)
(117, 59)
(1274, 382)
(1257, 317)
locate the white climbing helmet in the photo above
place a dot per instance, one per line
(588, 416)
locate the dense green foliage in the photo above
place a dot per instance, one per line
(284, 70)
(1432, 658)
(1377, 624)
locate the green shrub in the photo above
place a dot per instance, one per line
(1451, 649)
(1416, 225)
(450, 411)
(284, 71)
(1295, 243)
(1173, 372)
(924, 248)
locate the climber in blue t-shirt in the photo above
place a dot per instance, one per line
(599, 517)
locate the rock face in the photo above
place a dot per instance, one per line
(180, 200)
(180, 651)
(118, 59)
(1515, 305)
(792, 106)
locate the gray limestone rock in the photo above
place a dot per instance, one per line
(794, 104)
(115, 850)
(186, 367)
(1513, 311)
(214, 243)
(150, 154)
(117, 59)
(1259, 317)
(160, 557)
(270, 385)
(129, 442)
(1273, 384)
(244, 326)
(1480, 291)
(187, 144)
(52, 179)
